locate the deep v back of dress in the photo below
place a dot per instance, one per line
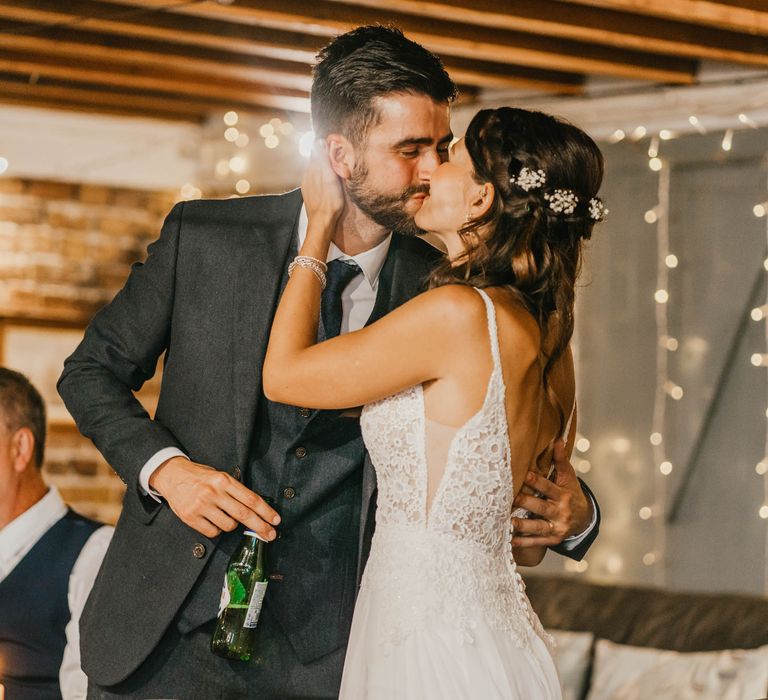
(442, 610)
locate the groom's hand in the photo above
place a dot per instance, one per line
(563, 508)
(211, 501)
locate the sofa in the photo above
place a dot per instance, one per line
(631, 625)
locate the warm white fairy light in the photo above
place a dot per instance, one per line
(650, 216)
(266, 130)
(693, 120)
(649, 558)
(759, 312)
(656, 439)
(230, 118)
(242, 140)
(617, 136)
(242, 186)
(582, 443)
(3, 165)
(759, 210)
(727, 143)
(669, 343)
(655, 164)
(671, 261)
(666, 134)
(646, 513)
(231, 134)
(638, 133)
(272, 141)
(238, 164)
(661, 296)
(744, 119)
(665, 468)
(653, 147)
(761, 467)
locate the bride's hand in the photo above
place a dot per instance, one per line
(322, 191)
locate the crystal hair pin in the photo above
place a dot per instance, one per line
(528, 179)
(562, 201)
(597, 210)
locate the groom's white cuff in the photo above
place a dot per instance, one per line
(574, 541)
(152, 464)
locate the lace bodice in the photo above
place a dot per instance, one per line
(453, 558)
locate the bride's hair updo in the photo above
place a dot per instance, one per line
(546, 174)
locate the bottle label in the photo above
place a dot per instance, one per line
(226, 596)
(254, 606)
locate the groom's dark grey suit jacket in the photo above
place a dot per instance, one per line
(206, 297)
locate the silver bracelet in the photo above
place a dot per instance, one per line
(317, 266)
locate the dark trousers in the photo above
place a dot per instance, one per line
(182, 667)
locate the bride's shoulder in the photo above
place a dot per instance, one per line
(452, 302)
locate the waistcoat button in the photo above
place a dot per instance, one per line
(301, 452)
(198, 551)
(305, 412)
(289, 492)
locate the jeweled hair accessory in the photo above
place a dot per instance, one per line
(562, 201)
(528, 179)
(597, 210)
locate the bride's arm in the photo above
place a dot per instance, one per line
(415, 343)
(420, 341)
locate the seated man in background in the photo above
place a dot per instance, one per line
(49, 557)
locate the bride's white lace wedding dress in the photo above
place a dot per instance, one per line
(442, 611)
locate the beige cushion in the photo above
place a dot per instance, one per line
(572, 660)
(624, 672)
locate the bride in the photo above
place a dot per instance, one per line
(464, 389)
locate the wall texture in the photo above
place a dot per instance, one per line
(65, 250)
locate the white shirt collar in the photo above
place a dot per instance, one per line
(24, 531)
(371, 261)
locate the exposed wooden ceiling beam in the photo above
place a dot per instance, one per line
(174, 81)
(322, 18)
(748, 16)
(97, 94)
(595, 25)
(74, 42)
(23, 98)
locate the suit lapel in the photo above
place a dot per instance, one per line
(260, 276)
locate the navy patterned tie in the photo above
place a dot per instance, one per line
(340, 274)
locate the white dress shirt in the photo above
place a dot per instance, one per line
(357, 301)
(16, 540)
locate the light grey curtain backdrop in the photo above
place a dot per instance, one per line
(717, 542)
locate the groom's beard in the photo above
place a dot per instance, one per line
(387, 210)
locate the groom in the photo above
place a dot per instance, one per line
(200, 470)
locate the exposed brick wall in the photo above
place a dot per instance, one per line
(65, 250)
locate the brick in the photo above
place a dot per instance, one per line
(52, 190)
(133, 199)
(94, 194)
(11, 185)
(21, 215)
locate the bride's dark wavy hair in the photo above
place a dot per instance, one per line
(521, 243)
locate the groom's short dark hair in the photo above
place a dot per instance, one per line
(366, 63)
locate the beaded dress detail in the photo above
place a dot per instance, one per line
(442, 610)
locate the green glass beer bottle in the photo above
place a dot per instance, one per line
(245, 584)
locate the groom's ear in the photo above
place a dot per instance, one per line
(341, 154)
